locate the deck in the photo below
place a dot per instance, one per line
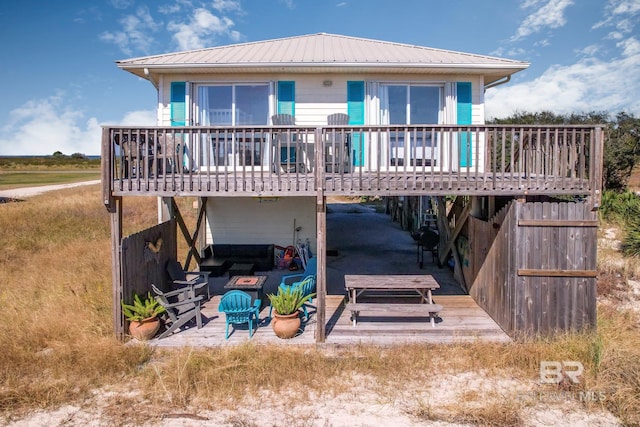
(462, 320)
(372, 160)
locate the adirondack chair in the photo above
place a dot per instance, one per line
(237, 307)
(337, 149)
(181, 308)
(310, 270)
(308, 287)
(197, 282)
(286, 151)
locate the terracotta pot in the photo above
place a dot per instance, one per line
(286, 325)
(144, 329)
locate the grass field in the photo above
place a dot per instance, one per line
(59, 349)
(16, 172)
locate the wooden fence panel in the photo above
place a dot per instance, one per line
(556, 267)
(144, 256)
(493, 286)
(539, 273)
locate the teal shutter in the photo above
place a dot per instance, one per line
(178, 97)
(355, 109)
(287, 98)
(464, 118)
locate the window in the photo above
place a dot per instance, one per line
(411, 104)
(233, 105)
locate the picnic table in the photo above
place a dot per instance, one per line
(423, 284)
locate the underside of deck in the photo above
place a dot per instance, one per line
(462, 320)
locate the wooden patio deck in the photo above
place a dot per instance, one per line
(462, 320)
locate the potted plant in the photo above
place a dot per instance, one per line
(286, 305)
(143, 316)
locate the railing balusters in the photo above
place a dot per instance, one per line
(407, 159)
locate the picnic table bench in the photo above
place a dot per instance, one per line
(422, 284)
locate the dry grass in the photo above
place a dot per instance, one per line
(58, 346)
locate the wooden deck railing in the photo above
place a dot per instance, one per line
(354, 160)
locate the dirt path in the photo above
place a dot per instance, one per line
(18, 193)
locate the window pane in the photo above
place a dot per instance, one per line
(425, 104)
(215, 105)
(397, 105)
(252, 105)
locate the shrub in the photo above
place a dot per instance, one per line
(619, 207)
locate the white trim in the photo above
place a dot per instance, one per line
(160, 109)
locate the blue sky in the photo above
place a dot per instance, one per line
(60, 83)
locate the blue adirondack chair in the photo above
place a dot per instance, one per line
(237, 307)
(308, 287)
(310, 270)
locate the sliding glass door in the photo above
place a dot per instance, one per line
(411, 104)
(233, 105)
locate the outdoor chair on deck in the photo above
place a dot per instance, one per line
(310, 270)
(287, 158)
(197, 282)
(169, 153)
(307, 287)
(237, 307)
(181, 308)
(337, 146)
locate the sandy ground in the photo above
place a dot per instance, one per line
(415, 405)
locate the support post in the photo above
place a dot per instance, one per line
(106, 169)
(321, 238)
(115, 216)
(597, 161)
(165, 209)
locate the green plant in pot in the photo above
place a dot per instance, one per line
(143, 316)
(286, 306)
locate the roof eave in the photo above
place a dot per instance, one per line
(496, 70)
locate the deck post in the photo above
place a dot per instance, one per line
(115, 216)
(596, 167)
(321, 239)
(106, 170)
(165, 209)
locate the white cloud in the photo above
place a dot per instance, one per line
(121, 4)
(227, 6)
(135, 34)
(198, 31)
(43, 126)
(289, 4)
(550, 15)
(588, 85)
(617, 8)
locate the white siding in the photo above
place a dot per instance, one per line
(261, 221)
(314, 101)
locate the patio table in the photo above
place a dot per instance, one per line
(422, 284)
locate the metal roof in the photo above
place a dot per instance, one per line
(322, 52)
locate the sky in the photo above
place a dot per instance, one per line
(60, 83)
